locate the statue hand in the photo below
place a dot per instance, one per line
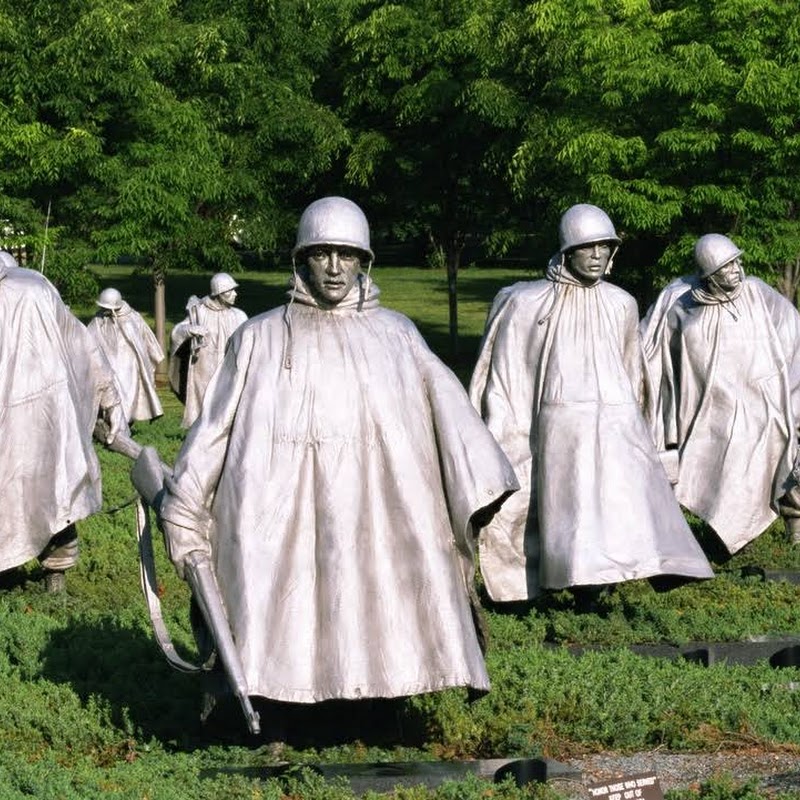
(115, 419)
(180, 543)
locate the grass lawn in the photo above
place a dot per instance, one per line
(89, 707)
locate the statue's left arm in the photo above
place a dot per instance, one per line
(476, 474)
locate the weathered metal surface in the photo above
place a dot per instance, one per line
(778, 651)
(333, 478)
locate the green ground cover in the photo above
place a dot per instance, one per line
(89, 707)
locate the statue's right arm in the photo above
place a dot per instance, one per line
(186, 509)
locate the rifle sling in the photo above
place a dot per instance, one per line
(147, 576)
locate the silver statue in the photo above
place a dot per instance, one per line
(331, 480)
(132, 351)
(651, 330)
(53, 381)
(560, 382)
(729, 396)
(198, 342)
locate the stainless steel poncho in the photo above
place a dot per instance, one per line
(52, 383)
(134, 353)
(730, 402)
(218, 322)
(332, 475)
(651, 329)
(559, 382)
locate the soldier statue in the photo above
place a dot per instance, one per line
(53, 382)
(560, 381)
(133, 352)
(729, 396)
(332, 480)
(198, 342)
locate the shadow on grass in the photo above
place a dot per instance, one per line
(19, 578)
(378, 722)
(122, 665)
(103, 658)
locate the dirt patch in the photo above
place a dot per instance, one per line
(775, 771)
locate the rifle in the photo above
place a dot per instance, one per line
(148, 476)
(195, 342)
(200, 576)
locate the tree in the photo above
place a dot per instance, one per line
(430, 123)
(677, 120)
(258, 64)
(96, 133)
(153, 128)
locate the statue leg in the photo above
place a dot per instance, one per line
(789, 506)
(60, 555)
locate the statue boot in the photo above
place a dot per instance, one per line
(60, 555)
(793, 529)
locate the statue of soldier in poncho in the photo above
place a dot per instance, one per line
(651, 329)
(198, 342)
(53, 381)
(333, 479)
(560, 382)
(730, 396)
(132, 351)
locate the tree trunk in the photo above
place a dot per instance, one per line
(453, 263)
(789, 281)
(160, 313)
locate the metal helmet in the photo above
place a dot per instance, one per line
(712, 252)
(221, 283)
(7, 260)
(110, 299)
(585, 224)
(333, 221)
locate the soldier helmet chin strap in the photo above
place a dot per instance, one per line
(610, 263)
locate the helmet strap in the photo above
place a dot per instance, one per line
(730, 300)
(365, 286)
(287, 320)
(610, 263)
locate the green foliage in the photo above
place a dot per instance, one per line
(725, 609)
(428, 116)
(719, 788)
(677, 119)
(164, 130)
(432, 125)
(158, 130)
(65, 267)
(541, 699)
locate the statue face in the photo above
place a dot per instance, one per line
(729, 276)
(228, 298)
(332, 271)
(588, 263)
